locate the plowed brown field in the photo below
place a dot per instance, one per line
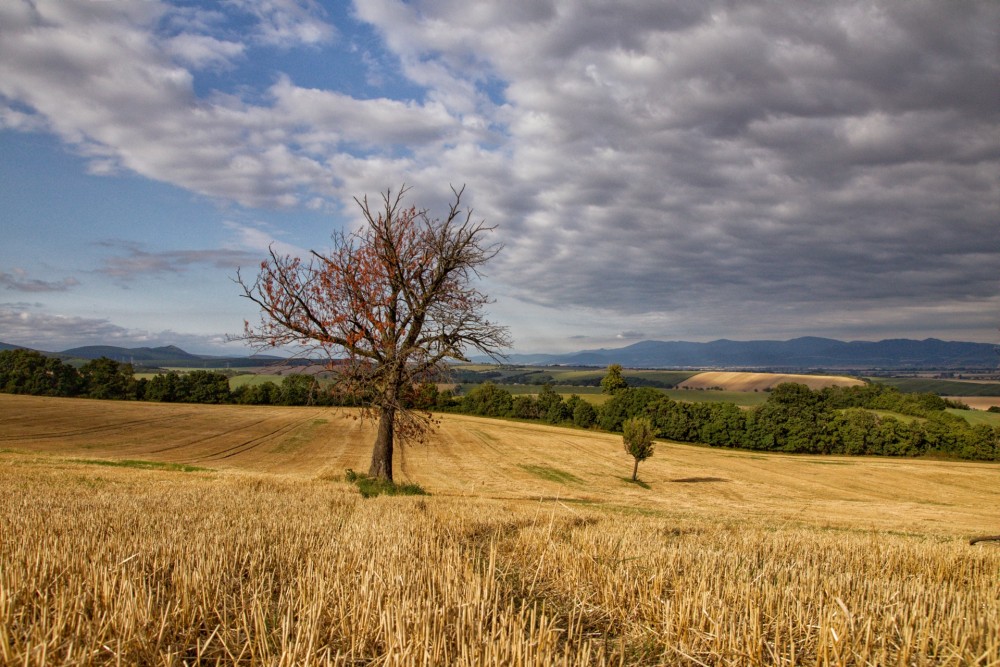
(477, 457)
(737, 381)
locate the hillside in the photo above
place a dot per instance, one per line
(478, 457)
(167, 534)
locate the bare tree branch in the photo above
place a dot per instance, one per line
(393, 302)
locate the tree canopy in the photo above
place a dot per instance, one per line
(613, 381)
(390, 303)
(637, 436)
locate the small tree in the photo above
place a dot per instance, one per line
(550, 404)
(638, 438)
(392, 300)
(584, 414)
(613, 381)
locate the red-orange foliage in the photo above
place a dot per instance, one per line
(393, 301)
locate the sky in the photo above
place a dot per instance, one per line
(685, 170)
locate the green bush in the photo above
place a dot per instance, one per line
(584, 414)
(371, 487)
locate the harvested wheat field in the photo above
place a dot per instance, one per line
(738, 381)
(530, 550)
(977, 402)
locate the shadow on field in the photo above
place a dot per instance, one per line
(693, 480)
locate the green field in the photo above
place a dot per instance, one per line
(539, 375)
(235, 381)
(908, 419)
(596, 397)
(532, 390)
(579, 376)
(741, 398)
(254, 379)
(976, 417)
(940, 387)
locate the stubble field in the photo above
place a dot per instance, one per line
(531, 550)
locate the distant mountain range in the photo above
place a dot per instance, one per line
(800, 353)
(169, 355)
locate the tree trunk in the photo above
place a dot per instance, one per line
(635, 470)
(985, 538)
(381, 467)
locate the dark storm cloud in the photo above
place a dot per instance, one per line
(812, 164)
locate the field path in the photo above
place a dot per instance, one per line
(479, 457)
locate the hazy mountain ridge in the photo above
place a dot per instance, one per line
(167, 355)
(809, 352)
(134, 354)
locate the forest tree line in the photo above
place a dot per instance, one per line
(30, 372)
(834, 420)
(794, 418)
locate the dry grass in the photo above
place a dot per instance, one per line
(737, 381)
(729, 558)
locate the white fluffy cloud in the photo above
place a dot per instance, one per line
(101, 77)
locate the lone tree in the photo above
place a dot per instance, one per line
(638, 437)
(613, 380)
(388, 305)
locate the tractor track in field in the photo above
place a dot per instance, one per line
(606, 457)
(828, 492)
(253, 443)
(71, 433)
(214, 436)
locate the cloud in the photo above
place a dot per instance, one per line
(336, 119)
(688, 167)
(135, 262)
(19, 281)
(32, 326)
(257, 241)
(37, 328)
(744, 166)
(202, 51)
(101, 77)
(287, 22)
(250, 244)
